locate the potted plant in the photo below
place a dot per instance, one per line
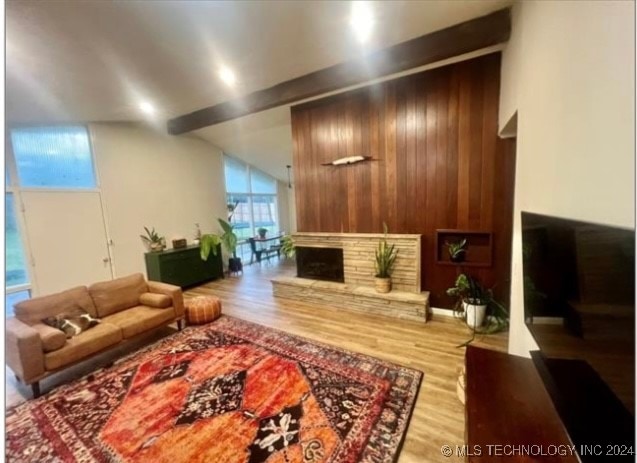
(287, 246)
(153, 241)
(457, 250)
(474, 299)
(229, 240)
(208, 243)
(470, 294)
(385, 258)
(262, 232)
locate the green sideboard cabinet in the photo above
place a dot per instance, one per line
(183, 267)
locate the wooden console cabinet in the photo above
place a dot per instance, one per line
(507, 405)
(183, 267)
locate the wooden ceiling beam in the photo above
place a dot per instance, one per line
(465, 37)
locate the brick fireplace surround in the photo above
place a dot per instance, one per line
(357, 293)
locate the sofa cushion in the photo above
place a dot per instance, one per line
(84, 345)
(35, 310)
(116, 295)
(52, 338)
(159, 301)
(140, 319)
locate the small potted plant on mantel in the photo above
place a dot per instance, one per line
(153, 241)
(457, 250)
(385, 258)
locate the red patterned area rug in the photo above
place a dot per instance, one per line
(231, 391)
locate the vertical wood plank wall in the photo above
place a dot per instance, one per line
(438, 163)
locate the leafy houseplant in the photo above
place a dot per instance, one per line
(457, 250)
(153, 241)
(228, 239)
(473, 302)
(208, 243)
(262, 232)
(473, 298)
(385, 258)
(287, 246)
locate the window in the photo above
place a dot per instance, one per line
(16, 274)
(262, 183)
(16, 269)
(236, 176)
(241, 219)
(251, 194)
(11, 299)
(53, 157)
(264, 213)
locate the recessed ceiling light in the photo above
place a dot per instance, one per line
(227, 76)
(362, 21)
(147, 108)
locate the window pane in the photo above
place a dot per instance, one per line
(53, 157)
(16, 273)
(12, 299)
(241, 216)
(262, 183)
(236, 175)
(265, 216)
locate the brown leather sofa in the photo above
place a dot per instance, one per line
(127, 307)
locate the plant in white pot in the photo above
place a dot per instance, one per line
(473, 297)
(385, 258)
(476, 306)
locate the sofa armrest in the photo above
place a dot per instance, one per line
(169, 290)
(25, 354)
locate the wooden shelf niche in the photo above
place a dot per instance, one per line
(479, 248)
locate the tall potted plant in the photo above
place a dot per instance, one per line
(210, 241)
(229, 240)
(385, 258)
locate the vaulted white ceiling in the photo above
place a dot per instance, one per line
(96, 60)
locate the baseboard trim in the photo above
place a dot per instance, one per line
(443, 312)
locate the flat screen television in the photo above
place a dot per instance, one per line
(579, 303)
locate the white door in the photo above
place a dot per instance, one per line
(67, 238)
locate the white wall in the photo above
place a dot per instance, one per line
(155, 180)
(568, 71)
(287, 207)
(283, 205)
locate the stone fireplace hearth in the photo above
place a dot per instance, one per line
(338, 269)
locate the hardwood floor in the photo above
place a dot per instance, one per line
(438, 417)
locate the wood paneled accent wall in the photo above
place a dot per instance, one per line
(437, 164)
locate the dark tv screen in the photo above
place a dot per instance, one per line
(579, 303)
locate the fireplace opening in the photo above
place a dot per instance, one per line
(320, 264)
